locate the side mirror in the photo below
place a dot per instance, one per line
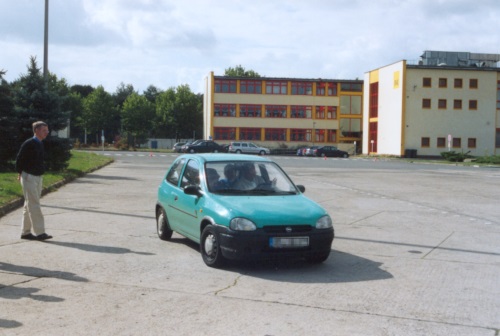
(301, 188)
(193, 190)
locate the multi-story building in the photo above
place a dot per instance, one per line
(279, 112)
(448, 101)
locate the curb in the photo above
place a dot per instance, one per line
(17, 203)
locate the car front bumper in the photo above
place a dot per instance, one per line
(250, 245)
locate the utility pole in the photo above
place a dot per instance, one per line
(46, 44)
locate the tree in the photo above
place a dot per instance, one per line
(83, 90)
(239, 71)
(180, 112)
(8, 130)
(122, 93)
(151, 93)
(137, 116)
(35, 99)
(99, 112)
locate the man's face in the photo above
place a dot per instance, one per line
(42, 132)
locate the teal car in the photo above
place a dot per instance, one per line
(240, 208)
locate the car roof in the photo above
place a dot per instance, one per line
(213, 157)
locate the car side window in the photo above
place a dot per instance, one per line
(191, 174)
(175, 172)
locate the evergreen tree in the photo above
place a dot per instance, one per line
(8, 131)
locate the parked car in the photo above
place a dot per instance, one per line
(203, 146)
(309, 151)
(178, 147)
(247, 148)
(330, 151)
(254, 212)
(301, 151)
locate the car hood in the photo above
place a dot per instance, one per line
(272, 210)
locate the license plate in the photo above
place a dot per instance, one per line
(284, 242)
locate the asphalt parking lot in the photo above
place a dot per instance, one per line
(416, 253)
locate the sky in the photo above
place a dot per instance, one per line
(168, 43)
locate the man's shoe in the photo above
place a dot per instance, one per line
(28, 236)
(43, 236)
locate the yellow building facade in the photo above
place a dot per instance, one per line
(283, 112)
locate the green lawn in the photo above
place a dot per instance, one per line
(79, 164)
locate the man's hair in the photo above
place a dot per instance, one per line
(37, 124)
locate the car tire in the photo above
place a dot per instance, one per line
(238, 151)
(345, 156)
(262, 153)
(318, 258)
(323, 154)
(162, 227)
(191, 151)
(216, 151)
(210, 247)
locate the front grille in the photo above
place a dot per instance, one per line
(272, 229)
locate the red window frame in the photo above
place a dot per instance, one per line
(300, 134)
(250, 86)
(302, 88)
(250, 133)
(275, 134)
(250, 111)
(225, 86)
(224, 133)
(220, 109)
(275, 111)
(276, 87)
(301, 111)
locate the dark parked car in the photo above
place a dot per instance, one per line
(330, 151)
(205, 146)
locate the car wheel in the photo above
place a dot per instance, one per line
(345, 155)
(191, 151)
(318, 258)
(216, 151)
(238, 151)
(262, 153)
(323, 154)
(210, 248)
(162, 227)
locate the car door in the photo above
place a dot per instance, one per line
(185, 207)
(252, 148)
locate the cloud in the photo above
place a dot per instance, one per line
(169, 43)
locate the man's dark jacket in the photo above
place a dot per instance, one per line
(30, 157)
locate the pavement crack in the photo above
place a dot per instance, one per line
(437, 246)
(235, 282)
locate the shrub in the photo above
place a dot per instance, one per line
(57, 153)
(456, 157)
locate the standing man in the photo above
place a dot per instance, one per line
(30, 166)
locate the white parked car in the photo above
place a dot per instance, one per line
(247, 148)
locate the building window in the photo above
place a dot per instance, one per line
(250, 111)
(224, 133)
(471, 142)
(332, 136)
(425, 142)
(250, 86)
(443, 82)
(441, 142)
(350, 105)
(299, 134)
(350, 128)
(320, 89)
(473, 83)
(320, 112)
(276, 87)
(225, 86)
(442, 104)
(332, 89)
(497, 138)
(458, 83)
(319, 135)
(498, 95)
(250, 133)
(275, 111)
(426, 103)
(427, 82)
(302, 88)
(299, 111)
(457, 143)
(275, 134)
(353, 87)
(224, 110)
(472, 104)
(457, 104)
(373, 102)
(332, 112)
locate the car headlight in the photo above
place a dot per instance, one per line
(324, 222)
(242, 224)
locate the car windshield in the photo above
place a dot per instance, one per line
(248, 178)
